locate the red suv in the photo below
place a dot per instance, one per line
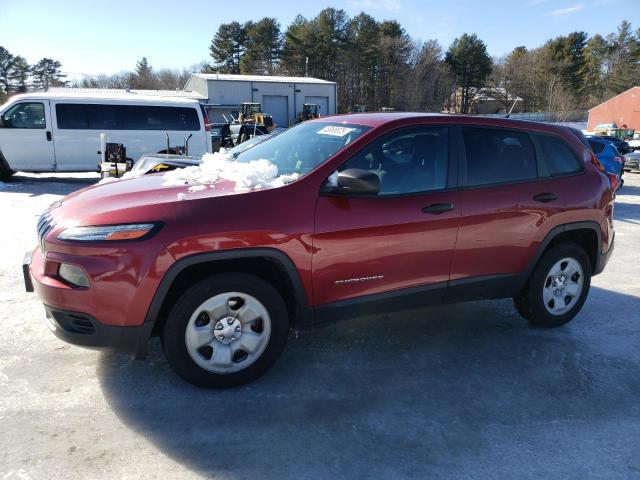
(368, 213)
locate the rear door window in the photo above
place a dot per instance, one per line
(126, 117)
(160, 118)
(498, 156)
(557, 155)
(72, 116)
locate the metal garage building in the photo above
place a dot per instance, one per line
(281, 97)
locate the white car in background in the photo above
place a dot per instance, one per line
(632, 162)
(61, 132)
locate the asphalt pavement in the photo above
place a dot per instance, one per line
(459, 391)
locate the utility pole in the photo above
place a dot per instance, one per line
(306, 66)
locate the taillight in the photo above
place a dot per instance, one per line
(205, 118)
(613, 179)
(597, 163)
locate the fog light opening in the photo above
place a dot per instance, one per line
(73, 275)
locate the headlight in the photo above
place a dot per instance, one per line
(134, 231)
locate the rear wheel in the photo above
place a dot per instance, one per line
(557, 288)
(226, 330)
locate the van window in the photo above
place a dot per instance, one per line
(160, 118)
(498, 156)
(72, 116)
(126, 117)
(557, 155)
(25, 115)
(407, 161)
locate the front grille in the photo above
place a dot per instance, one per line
(45, 224)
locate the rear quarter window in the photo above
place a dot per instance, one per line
(557, 156)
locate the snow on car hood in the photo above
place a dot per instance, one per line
(214, 167)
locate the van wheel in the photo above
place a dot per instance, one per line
(5, 172)
(557, 288)
(226, 330)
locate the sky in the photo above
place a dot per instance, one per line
(91, 37)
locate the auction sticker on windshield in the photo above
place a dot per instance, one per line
(335, 131)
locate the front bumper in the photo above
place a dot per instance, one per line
(76, 327)
(85, 331)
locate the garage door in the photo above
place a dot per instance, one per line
(278, 107)
(322, 102)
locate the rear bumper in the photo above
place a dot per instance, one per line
(603, 258)
(85, 331)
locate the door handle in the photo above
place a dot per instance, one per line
(545, 197)
(49, 136)
(438, 208)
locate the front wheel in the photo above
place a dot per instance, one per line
(226, 330)
(5, 172)
(557, 288)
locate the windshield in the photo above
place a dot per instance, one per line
(303, 147)
(246, 145)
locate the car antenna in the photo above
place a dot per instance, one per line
(510, 110)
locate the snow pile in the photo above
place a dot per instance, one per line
(108, 180)
(247, 176)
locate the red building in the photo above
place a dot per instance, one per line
(623, 110)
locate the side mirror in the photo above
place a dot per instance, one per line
(356, 181)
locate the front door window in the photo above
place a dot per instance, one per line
(25, 115)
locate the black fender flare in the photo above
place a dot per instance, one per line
(272, 254)
(554, 232)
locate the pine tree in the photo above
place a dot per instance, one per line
(228, 46)
(6, 61)
(19, 74)
(624, 59)
(46, 73)
(595, 55)
(470, 64)
(263, 47)
(143, 77)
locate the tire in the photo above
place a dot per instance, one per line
(538, 301)
(224, 304)
(5, 172)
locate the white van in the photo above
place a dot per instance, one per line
(60, 132)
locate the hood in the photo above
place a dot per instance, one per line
(134, 199)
